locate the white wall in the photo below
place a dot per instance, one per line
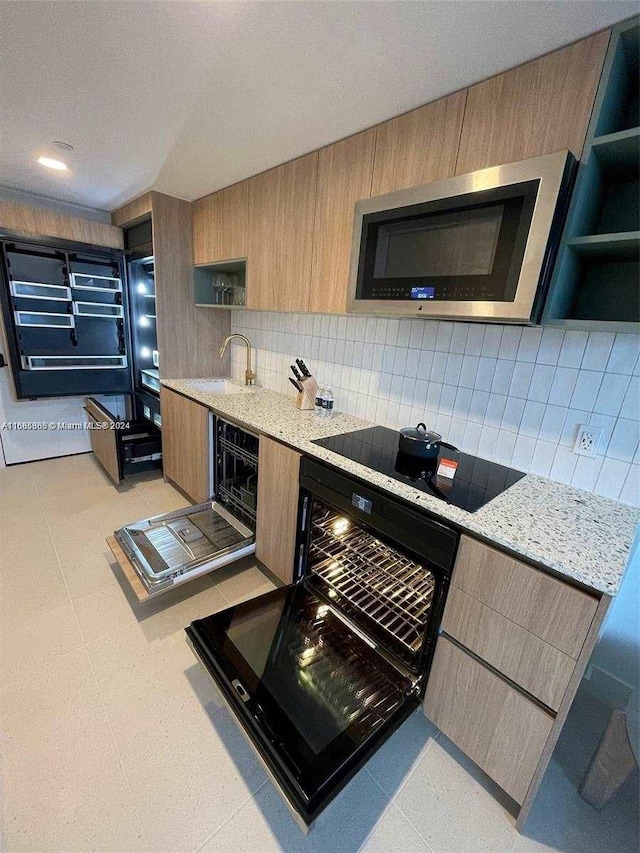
(510, 394)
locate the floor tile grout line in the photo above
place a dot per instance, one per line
(231, 816)
(96, 681)
(392, 803)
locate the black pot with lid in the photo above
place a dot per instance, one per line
(422, 443)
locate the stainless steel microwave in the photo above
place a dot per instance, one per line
(474, 247)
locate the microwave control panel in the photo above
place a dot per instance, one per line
(455, 291)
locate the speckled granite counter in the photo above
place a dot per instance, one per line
(574, 533)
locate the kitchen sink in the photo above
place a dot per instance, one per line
(216, 386)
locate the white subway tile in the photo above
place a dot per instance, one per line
(612, 478)
(521, 379)
(597, 350)
(564, 464)
(447, 399)
(630, 493)
(472, 434)
(388, 358)
(541, 381)
(564, 381)
(512, 415)
(543, 456)
(532, 418)
(573, 349)
(376, 357)
(523, 451)
(400, 361)
(624, 441)
(462, 403)
(495, 410)
(552, 423)
(393, 327)
(631, 404)
(434, 392)
(612, 393)
(443, 338)
(404, 333)
(550, 346)
(370, 408)
(478, 406)
(413, 357)
(459, 337)
(491, 341)
(420, 393)
(586, 391)
(586, 472)
(510, 342)
(474, 339)
(574, 418)
(469, 370)
(503, 450)
(425, 363)
(438, 366)
(372, 329)
(624, 354)
(408, 390)
(452, 371)
(529, 343)
(487, 443)
(417, 331)
(430, 334)
(484, 376)
(380, 333)
(502, 376)
(455, 434)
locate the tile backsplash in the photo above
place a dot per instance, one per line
(510, 394)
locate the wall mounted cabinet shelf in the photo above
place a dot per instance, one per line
(597, 275)
(220, 285)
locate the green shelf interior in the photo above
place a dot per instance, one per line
(597, 273)
(220, 285)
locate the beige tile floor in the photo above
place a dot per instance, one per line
(113, 740)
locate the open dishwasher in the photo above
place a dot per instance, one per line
(174, 548)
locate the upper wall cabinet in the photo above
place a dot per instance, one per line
(535, 109)
(344, 176)
(281, 213)
(419, 146)
(221, 225)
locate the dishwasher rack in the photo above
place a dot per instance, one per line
(237, 471)
(372, 578)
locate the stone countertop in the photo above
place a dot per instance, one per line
(573, 533)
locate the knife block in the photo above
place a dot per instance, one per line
(306, 398)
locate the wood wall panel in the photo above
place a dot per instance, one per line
(221, 225)
(281, 215)
(40, 222)
(185, 444)
(133, 210)
(345, 171)
(420, 146)
(537, 108)
(188, 337)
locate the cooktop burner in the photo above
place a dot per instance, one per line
(475, 482)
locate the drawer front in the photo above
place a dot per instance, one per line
(547, 607)
(494, 724)
(536, 666)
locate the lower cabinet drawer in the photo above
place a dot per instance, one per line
(498, 727)
(538, 667)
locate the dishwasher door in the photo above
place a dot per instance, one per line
(177, 547)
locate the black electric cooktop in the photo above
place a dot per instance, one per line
(475, 482)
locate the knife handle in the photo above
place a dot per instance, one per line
(295, 384)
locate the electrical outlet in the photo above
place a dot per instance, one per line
(587, 440)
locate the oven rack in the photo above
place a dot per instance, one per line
(390, 589)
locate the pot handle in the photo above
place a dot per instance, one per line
(448, 446)
(424, 427)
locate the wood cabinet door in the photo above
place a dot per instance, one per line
(345, 170)
(221, 225)
(185, 444)
(277, 516)
(281, 211)
(537, 108)
(495, 725)
(419, 146)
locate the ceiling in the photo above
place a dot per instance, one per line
(189, 97)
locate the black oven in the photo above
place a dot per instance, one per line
(475, 247)
(319, 673)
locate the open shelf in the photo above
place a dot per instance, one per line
(618, 152)
(622, 246)
(220, 285)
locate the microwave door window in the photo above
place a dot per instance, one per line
(456, 244)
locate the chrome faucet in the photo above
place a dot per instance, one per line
(249, 375)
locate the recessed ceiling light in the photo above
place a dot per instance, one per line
(50, 163)
(63, 146)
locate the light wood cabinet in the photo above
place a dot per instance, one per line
(539, 668)
(534, 109)
(419, 146)
(278, 490)
(185, 444)
(221, 225)
(344, 176)
(281, 214)
(547, 607)
(42, 222)
(494, 724)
